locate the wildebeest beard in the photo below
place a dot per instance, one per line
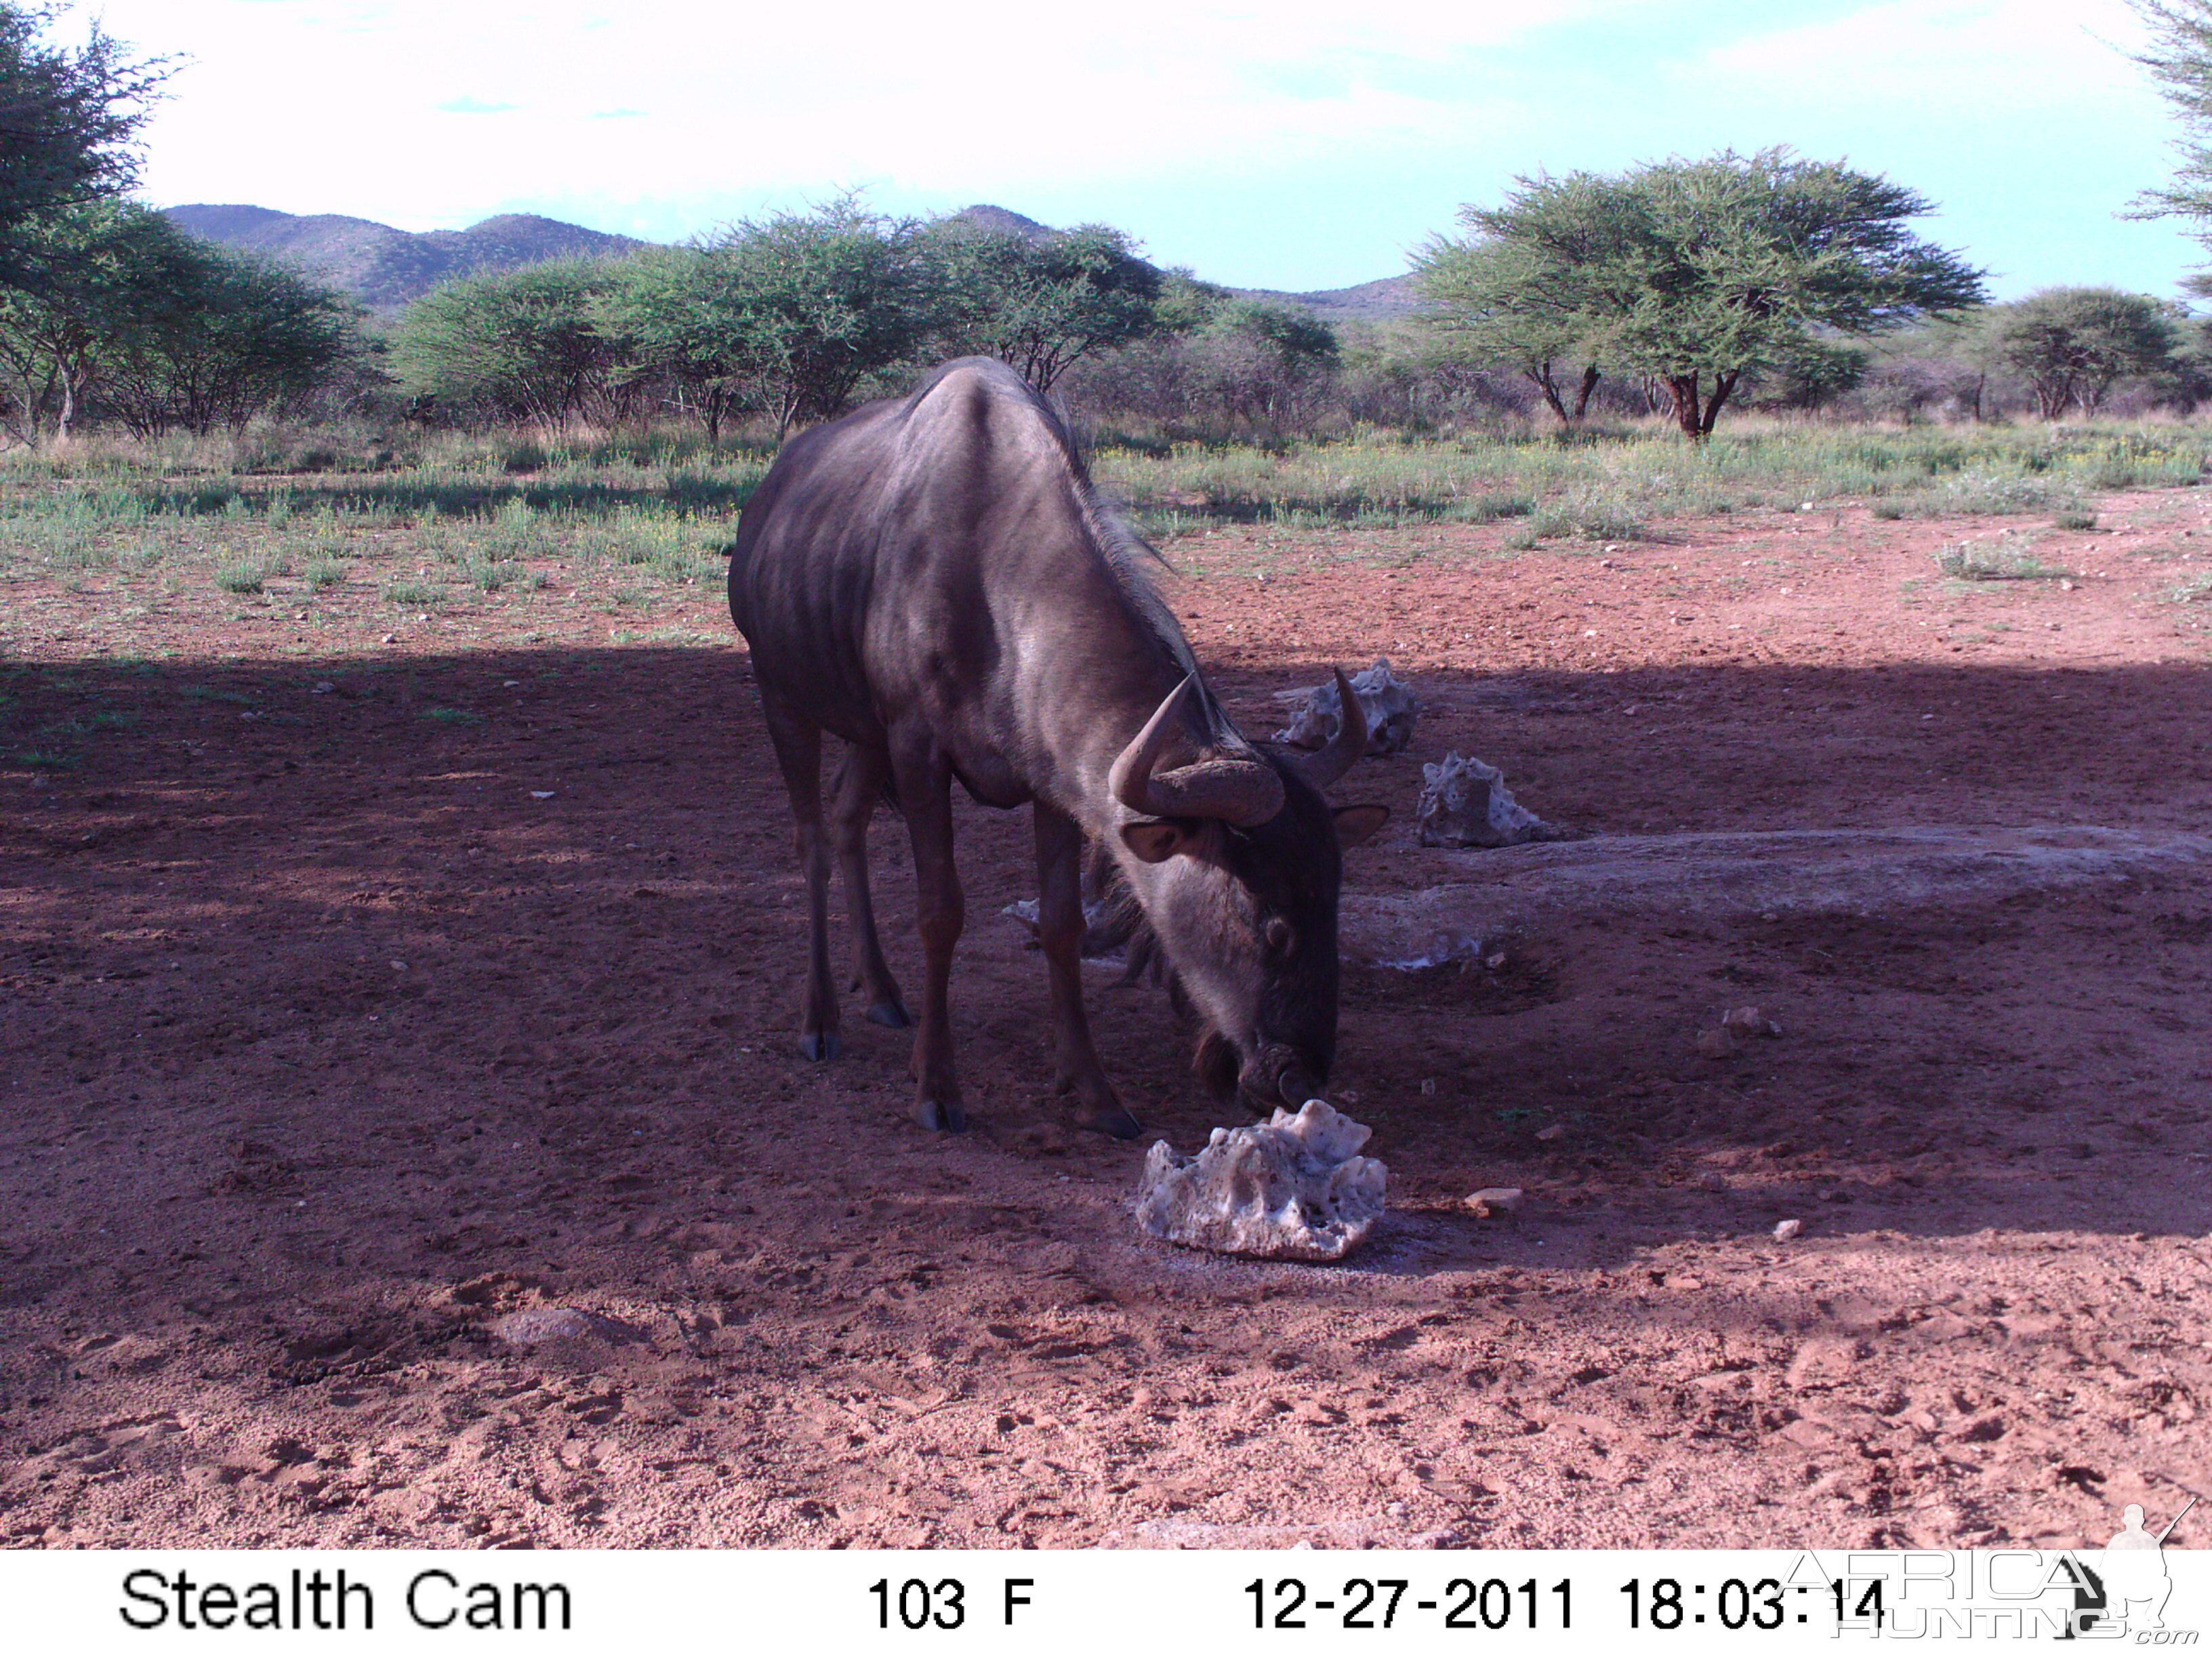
(1116, 921)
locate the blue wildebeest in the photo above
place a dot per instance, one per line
(933, 580)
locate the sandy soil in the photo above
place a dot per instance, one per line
(339, 1025)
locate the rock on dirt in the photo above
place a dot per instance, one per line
(1749, 1022)
(1292, 1188)
(535, 1325)
(1390, 704)
(1465, 802)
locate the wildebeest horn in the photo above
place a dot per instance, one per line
(1241, 792)
(1333, 758)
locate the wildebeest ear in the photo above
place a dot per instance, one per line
(1155, 840)
(1355, 823)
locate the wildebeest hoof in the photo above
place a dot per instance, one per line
(819, 1045)
(1114, 1120)
(893, 1014)
(948, 1116)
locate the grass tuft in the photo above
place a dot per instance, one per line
(2003, 558)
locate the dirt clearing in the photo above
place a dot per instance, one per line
(358, 995)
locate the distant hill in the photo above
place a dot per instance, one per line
(1382, 300)
(385, 268)
(1385, 300)
(1002, 221)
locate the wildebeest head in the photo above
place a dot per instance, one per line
(1238, 863)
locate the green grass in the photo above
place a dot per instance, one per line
(630, 521)
(2194, 589)
(249, 576)
(1611, 484)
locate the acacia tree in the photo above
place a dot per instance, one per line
(1256, 362)
(2180, 61)
(225, 337)
(1040, 305)
(134, 320)
(1699, 272)
(2072, 343)
(1516, 293)
(95, 263)
(529, 344)
(817, 302)
(67, 121)
(684, 315)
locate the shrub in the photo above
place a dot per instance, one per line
(2001, 559)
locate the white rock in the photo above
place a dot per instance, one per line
(1293, 1187)
(1465, 802)
(1786, 1230)
(1389, 703)
(1495, 1201)
(1749, 1022)
(534, 1325)
(1445, 946)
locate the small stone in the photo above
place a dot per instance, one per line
(390, 639)
(398, 966)
(1786, 1230)
(543, 1325)
(543, 794)
(1712, 1181)
(321, 688)
(1428, 1086)
(1494, 1201)
(1550, 1132)
(1749, 1022)
(1494, 960)
(1715, 1044)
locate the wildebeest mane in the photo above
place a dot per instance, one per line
(1134, 562)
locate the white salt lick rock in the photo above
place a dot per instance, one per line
(1293, 1188)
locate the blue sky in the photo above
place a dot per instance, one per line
(1297, 145)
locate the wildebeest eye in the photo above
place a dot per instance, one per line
(1279, 936)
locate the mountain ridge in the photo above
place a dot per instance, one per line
(385, 267)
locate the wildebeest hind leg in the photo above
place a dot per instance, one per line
(798, 743)
(1060, 929)
(858, 785)
(925, 793)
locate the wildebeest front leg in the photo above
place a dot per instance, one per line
(925, 791)
(857, 785)
(798, 743)
(1060, 929)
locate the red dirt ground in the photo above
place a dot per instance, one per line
(325, 1043)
